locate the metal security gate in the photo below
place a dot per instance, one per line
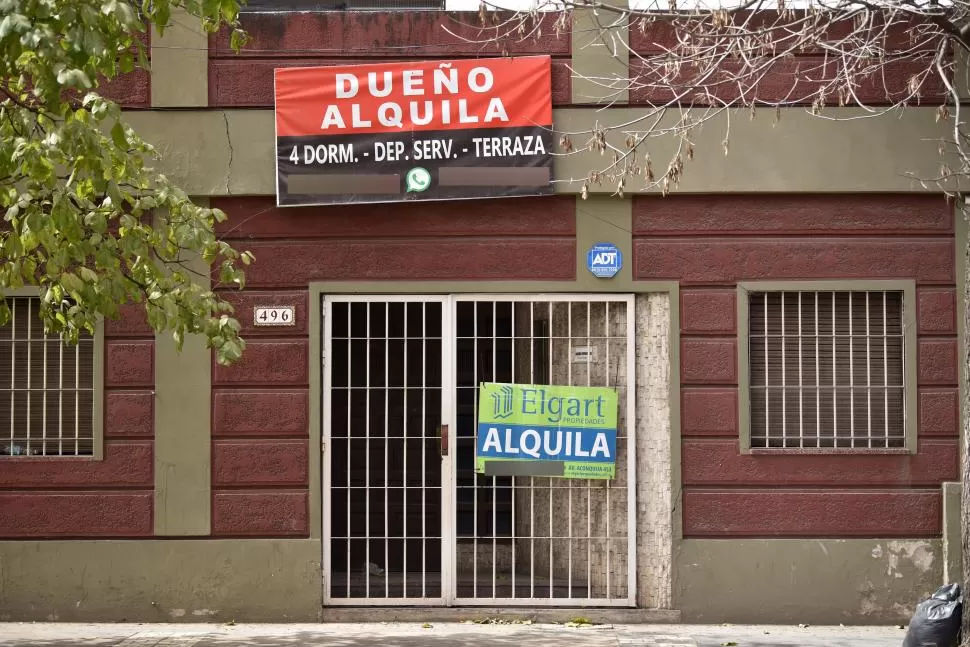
(406, 518)
(384, 477)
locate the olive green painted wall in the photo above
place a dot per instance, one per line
(231, 152)
(257, 580)
(180, 63)
(183, 470)
(789, 581)
(600, 55)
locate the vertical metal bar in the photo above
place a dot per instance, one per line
(532, 479)
(494, 478)
(835, 390)
(13, 367)
(885, 367)
(327, 444)
(30, 343)
(801, 408)
(43, 427)
(60, 400)
(549, 480)
(404, 435)
(512, 362)
(784, 382)
(77, 400)
(764, 296)
(868, 378)
(448, 496)
(367, 481)
(851, 378)
(475, 476)
(387, 399)
(350, 362)
(818, 384)
(631, 448)
(569, 482)
(449, 468)
(609, 486)
(424, 440)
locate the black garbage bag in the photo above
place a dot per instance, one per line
(936, 622)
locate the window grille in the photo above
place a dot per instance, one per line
(826, 369)
(46, 388)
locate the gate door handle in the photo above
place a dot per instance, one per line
(443, 433)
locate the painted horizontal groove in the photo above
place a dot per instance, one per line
(797, 213)
(260, 437)
(795, 80)
(820, 488)
(733, 283)
(141, 336)
(348, 57)
(387, 33)
(775, 512)
(262, 488)
(806, 233)
(423, 238)
(505, 259)
(779, 258)
(717, 463)
(227, 536)
(81, 488)
(248, 83)
(775, 236)
(659, 36)
(228, 387)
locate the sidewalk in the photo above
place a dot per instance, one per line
(439, 635)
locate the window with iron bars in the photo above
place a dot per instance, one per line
(826, 369)
(47, 389)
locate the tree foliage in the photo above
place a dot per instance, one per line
(86, 218)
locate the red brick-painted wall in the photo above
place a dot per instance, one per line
(245, 79)
(82, 497)
(709, 243)
(260, 405)
(794, 79)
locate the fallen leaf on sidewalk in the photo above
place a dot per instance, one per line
(427, 625)
(729, 643)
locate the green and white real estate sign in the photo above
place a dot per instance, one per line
(540, 430)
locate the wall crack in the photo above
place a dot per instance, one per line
(225, 116)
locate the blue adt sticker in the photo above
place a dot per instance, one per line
(604, 260)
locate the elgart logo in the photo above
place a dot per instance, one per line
(502, 403)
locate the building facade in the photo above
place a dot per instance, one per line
(783, 335)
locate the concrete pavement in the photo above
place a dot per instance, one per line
(439, 635)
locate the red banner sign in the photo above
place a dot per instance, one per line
(414, 131)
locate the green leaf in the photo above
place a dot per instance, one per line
(73, 78)
(78, 183)
(118, 135)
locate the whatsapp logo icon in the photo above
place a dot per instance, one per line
(417, 180)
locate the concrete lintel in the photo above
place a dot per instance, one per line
(231, 152)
